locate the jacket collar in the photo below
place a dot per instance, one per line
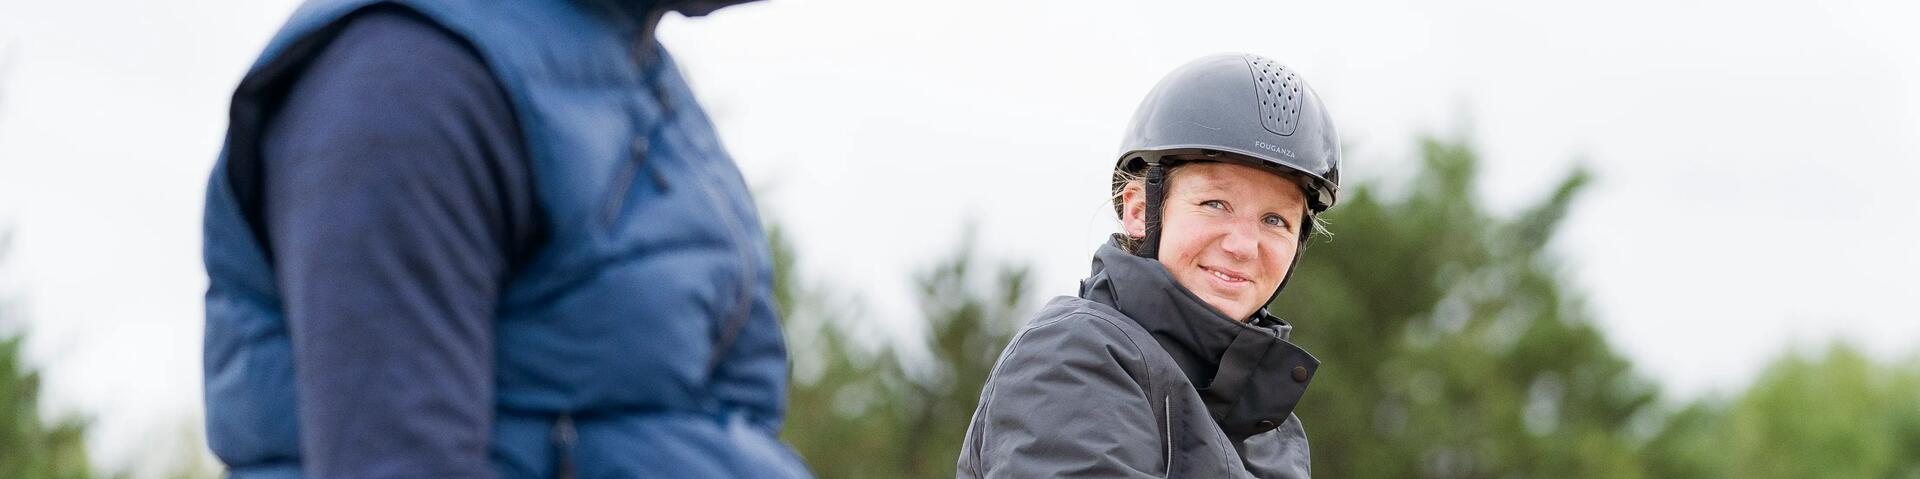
(1244, 371)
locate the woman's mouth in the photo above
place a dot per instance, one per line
(1229, 277)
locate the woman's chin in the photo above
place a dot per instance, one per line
(1229, 298)
(1227, 307)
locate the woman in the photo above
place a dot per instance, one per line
(1167, 363)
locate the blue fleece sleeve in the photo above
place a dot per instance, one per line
(397, 200)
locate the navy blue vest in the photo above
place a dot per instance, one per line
(645, 326)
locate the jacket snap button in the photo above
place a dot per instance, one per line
(1265, 424)
(1300, 374)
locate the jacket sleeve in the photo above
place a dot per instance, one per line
(1068, 398)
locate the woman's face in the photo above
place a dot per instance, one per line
(1228, 234)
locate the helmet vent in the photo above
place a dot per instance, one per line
(1279, 93)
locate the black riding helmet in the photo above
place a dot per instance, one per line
(1236, 108)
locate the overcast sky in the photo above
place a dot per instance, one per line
(1756, 160)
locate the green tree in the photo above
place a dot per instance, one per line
(831, 413)
(1838, 415)
(1451, 346)
(870, 412)
(31, 447)
(971, 320)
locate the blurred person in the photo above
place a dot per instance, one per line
(461, 238)
(1167, 364)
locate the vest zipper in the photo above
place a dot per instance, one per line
(644, 59)
(742, 311)
(623, 181)
(648, 60)
(563, 438)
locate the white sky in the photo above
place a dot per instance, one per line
(1756, 159)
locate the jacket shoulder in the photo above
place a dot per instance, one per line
(1071, 334)
(1069, 325)
(1033, 418)
(1080, 313)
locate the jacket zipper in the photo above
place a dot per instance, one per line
(1167, 405)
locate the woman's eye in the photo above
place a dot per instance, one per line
(1274, 220)
(1214, 204)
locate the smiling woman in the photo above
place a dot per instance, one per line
(1230, 232)
(1167, 363)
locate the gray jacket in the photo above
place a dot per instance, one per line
(1104, 385)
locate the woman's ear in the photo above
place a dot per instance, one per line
(1133, 210)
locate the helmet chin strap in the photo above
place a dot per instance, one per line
(1306, 231)
(1156, 190)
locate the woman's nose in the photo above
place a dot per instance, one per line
(1242, 240)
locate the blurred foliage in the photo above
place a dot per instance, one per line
(1835, 416)
(1452, 347)
(866, 411)
(31, 447)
